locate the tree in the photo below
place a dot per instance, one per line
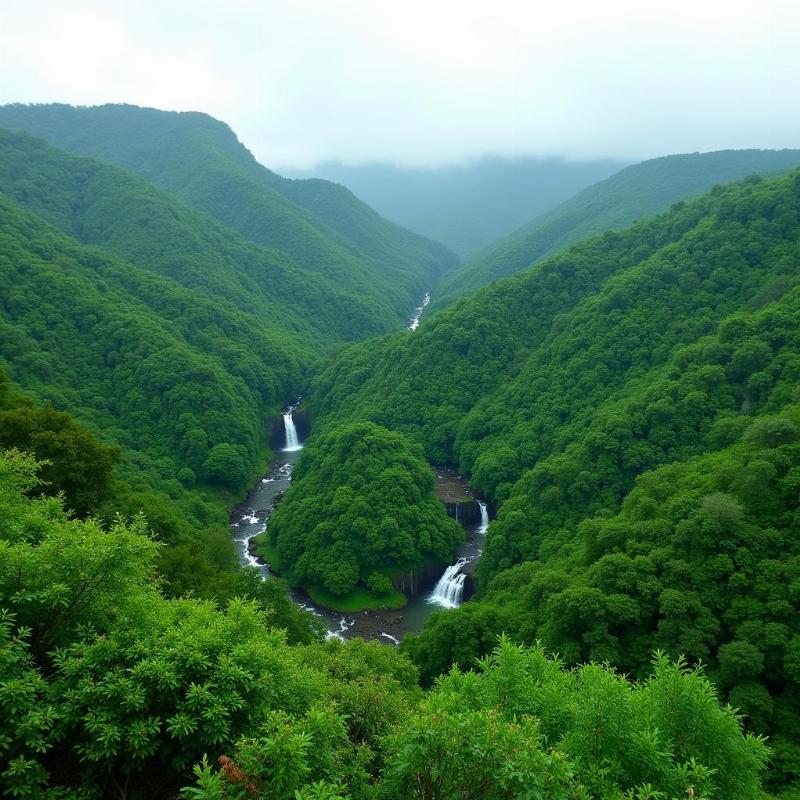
(224, 465)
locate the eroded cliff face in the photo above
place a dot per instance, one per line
(466, 510)
(418, 580)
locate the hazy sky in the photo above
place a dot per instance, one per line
(425, 83)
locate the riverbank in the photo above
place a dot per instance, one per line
(352, 616)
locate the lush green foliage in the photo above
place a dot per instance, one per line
(76, 333)
(360, 508)
(364, 270)
(673, 343)
(109, 689)
(107, 682)
(101, 205)
(632, 194)
(522, 727)
(77, 463)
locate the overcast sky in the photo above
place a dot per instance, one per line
(426, 83)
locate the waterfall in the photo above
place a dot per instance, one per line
(292, 442)
(448, 591)
(484, 517)
(413, 323)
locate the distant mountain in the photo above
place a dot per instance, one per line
(633, 193)
(319, 225)
(466, 207)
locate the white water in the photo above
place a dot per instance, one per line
(292, 440)
(484, 526)
(344, 625)
(413, 323)
(252, 527)
(448, 591)
(251, 560)
(254, 521)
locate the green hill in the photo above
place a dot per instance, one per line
(167, 334)
(105, 206)
(631, 407)
(634, 193)
(315, 223)
(341, 528)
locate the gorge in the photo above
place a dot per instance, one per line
(625, 411)
(249, 521)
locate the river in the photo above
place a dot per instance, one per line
(250, 519)
(448, 590)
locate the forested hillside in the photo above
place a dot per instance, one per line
(467, 207)
(181, 384)
(634, 193)
(320, 225)
(104, 206)
(169, 335)
(671, 346)
(360, 510)
(109, 689)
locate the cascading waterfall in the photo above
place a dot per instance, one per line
(484, 517)
(413, 323)
(448, 591)
(292, 440)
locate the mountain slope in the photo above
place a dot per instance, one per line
(319, 225)
(155, 366)
(181, 383)
(510, 375)
(633, 193)
(670, 346)
(467, 207)
(108, 207)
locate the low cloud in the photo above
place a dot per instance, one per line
(427, 83)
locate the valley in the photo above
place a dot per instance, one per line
(250, 519)
(551, 484)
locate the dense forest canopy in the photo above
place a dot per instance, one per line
(671, 346)
(360, 509)
(634, 193)
(630, 406)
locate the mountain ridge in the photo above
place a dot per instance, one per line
(636, 192)
(201, 160)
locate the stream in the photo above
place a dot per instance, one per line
(413, 323)
(249, 519)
